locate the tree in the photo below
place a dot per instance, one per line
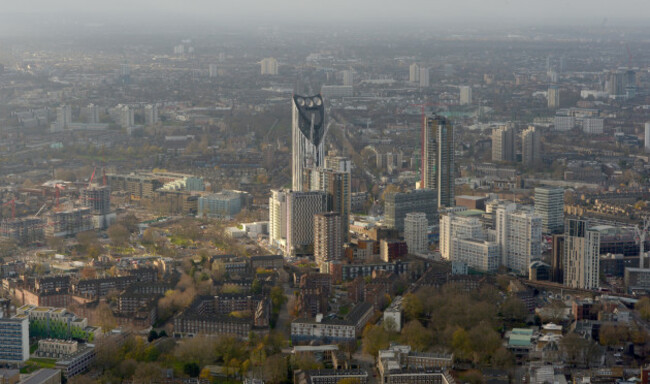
(104, 317)
(147, 373)
(413, 307)
(191, 369)
(503, 359)
(514, 309)
(153, 335)
(574, 347)
(461, 343)
(118, 234)
(195, 350)
(415, 335)
(375, 338)
(130, 222)
(306, 361)
(275, 369)
(277, 297)
(643, 306)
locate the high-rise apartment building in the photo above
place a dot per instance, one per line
(424, 77)
(127, 119)
(549, 205)
(348, 77)
(581, 255)
(557, 259)
(308, 134)
(593, 125)
(150, 114)
(465, 95)
(457, 227)
(414, 73)
(438, 159)
(519, 234)
(503, 143)
(278, 217)
(530, 147)
(14, 339)
(616, 83)
(92, 114)
(269, 66)
(63, 118)
(646, 142)
(213, 70)
(301, 208)
(337, 186)
(398, 204)
(328, 245)
(416, 229)
(553, 97)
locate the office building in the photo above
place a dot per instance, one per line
(63, 118)
(328, 239)
(224, 204)
(92, 114)
(503, 143)
(398, 204)
(519, 234)
(476, 253)
(424, 78)
(553, 97)
(269, 66)
(549, 205)
(14, 339)
(564, 123)
(414, 73)
(646, 142)
(308, 134)
(452, 227)
(348, 77)
(594, 126)
(301, 208)
(465, 95)
(150, 114)
(581, 255)
(416, 229)
(438, 159)
(530, 147)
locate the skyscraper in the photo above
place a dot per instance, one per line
(308, 133)
(213, 70)
(414, 73)
(328, 245)
(424, 77)
(301, 208)
(438, 159)
(549, 205)
(63, 117)
(465, 95)
(581, 255)
(92, 114)
(519, 234)
(348, 77)
(150, 114)
(337, 186)
(503, 143)
(530, 147)
(457, 227)
(553, 97)
(416, 228)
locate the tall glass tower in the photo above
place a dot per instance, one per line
(308, 132)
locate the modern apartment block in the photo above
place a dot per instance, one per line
(397, 205)
(519, 234)
(549, 205)
(581, 255)
(438, 172)
(14, 339)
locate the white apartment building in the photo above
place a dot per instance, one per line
(465, 95)
(457, 227)
(477, 254)
(581, 255)
(519, 235)
(593, 126)
(416, 228)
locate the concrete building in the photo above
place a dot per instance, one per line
(581, 255)
(92, 114)
(457, 227)
(63, 118)
(278, 217)
(478, 254)
(69, 222)
(221, 204)
(43, 376)
(213, 71)
(519, 235)
(553, 97)
(330, 376)
(398, 204)
(424, 78)
(465, 95)
(530, 147)
(549, 205)
(23, 230)
(14, 339)
(301, 208)
(150, 114)
(337, 184)
(348, 77)
(503, 143)
(328, 239)
(438, 169)
(269, 66)
(308, 134)
(400, 365)
(414, 73)
(594, 126)
(126, 117)
(393, 315)
(416, 229)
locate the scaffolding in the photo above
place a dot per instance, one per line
(69, 222)
(24, 230)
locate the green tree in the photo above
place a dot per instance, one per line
(118, 234)
(375, 338)
(415, 335)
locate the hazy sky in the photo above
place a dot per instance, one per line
(540, 11)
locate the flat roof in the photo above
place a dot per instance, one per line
(41, 375)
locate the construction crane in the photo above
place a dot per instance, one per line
(92, 177)
(640, 235)
(58, 188)
(40, 210)
(11, 202)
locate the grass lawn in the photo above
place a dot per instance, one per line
(36, 363)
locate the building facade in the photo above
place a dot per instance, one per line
(503, 143)
(328, 239)
(581, 255)
(301, 208)
(438, 172)
(519, 235)
(530, 147)
(549, 205)
(398, 204)
(308, 134)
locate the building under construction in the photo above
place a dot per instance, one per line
(98, 199)
(69, 222)
(23, 230)
(136, 185)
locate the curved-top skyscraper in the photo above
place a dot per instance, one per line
(308, 131)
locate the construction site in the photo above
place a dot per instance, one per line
(69, 222)
(23, 230)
